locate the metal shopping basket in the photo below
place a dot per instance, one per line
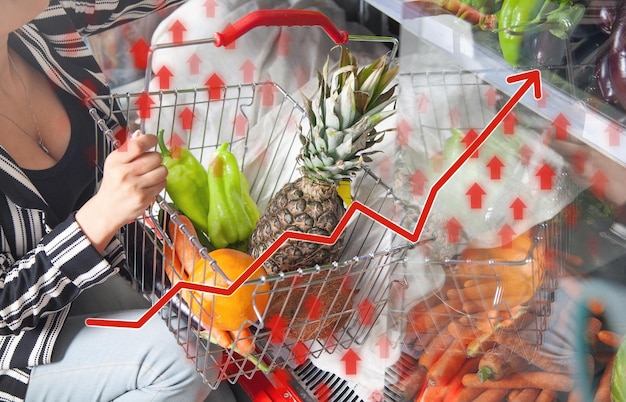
(267, 152)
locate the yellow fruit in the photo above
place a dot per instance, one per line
(227, 312)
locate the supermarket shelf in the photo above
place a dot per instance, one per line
(391, 8)
(455, 37)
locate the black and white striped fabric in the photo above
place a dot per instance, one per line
(45, 264)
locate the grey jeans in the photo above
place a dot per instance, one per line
(110, 364)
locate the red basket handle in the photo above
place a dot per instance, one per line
(279, 17)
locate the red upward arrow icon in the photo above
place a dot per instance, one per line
(545, 174)
(598, 184)
(177, 29)
(453, 227)
(351, 360)
(561, 124)
(215, 84)
(492, 96)
(475, 194)
(529, 79)
(194, 62)
(614, 132)
(468, 138)
(518, 206)
(509, 124)
(417, 180)
(186, 118)
(164, 75)
(248, 70)
(144, 102)
(506, 234)
(495, 166)
(140, 51)
(384, 345)
(210, 6)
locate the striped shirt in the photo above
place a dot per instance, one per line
(44, 265)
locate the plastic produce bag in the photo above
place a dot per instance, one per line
(511, 184)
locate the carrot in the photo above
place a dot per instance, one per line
(456, 385)
(473, 306)
(603, 390)
(172, 265)
(183, 248)
(526, 379)
(420, 341)
(223, 338)
(480, 344)
(435, 349)
(244, 340)
(610, 338)
(478, 291)
(516, 320)
(499, 362)
(218, 337)
(526, 394)
(432, 393)
(445, 368)
(436, 316)
(461, 331)
(546, 395)
(469, 394)
(529, 351)
(492, 395)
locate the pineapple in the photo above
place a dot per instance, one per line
(343, 114)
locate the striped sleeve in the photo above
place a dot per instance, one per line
(51, 275)
(94, 16)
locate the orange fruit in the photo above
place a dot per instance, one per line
(227, 313)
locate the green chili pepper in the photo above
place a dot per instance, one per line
(232, 212)
(514, 19)
(186, 183)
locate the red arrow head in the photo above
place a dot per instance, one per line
(532, 78)
(140, 50)
(506, 233)
(366, 311)
(475, 194)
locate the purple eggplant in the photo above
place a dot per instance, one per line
(602, 13)
(547, 49)
(612, 66)
(605, 85)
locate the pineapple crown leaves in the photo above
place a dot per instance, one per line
(349, 104)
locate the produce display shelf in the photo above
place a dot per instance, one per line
(457, 40)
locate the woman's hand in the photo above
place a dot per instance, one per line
(133, 177)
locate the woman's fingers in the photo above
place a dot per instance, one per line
(136, 145)
(146, 163)
(154, 178)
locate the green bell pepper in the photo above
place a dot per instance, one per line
(514, 18)
(233, 214)
(519, 17)
(186, 183)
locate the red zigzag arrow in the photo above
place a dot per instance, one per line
(528, 79)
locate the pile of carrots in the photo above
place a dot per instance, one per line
(461, 361)
(179, 263)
